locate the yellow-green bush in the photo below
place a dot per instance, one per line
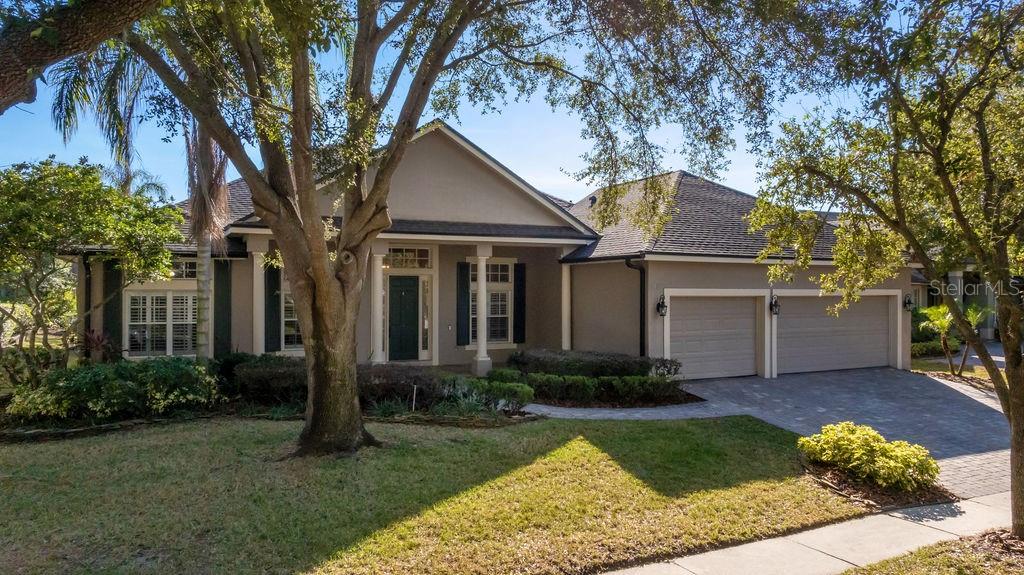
(865, 454)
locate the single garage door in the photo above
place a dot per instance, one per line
(713, 336)
(810, 339)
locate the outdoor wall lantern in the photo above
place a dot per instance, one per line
(662, 307)
(908, 302)
(773, 306)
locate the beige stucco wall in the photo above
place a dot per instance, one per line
(662, 275)
(605, 307)
(440, 180)
(241, 305)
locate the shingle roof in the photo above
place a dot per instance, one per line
(708, 220)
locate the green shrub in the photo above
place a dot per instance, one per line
(642, 389)
(388, 408)
(462, 406)
(865, 454)
(589, 363)
(546, 385)
(507, 395)
(933, 348)
(580, 388)
(381, 382)
(505, 374)
(174, 383)
(224, 369)
(123, 389)
(272, 378)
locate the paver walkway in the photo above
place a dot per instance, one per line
(835, 548)
(963, 427)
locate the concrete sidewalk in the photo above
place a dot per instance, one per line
(836, 548)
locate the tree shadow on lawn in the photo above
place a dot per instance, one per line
(208, 497)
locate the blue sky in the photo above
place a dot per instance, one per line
(542, 146)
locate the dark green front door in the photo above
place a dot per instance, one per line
(403, 317)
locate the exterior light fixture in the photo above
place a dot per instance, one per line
(662, 307)
(773, 305)
(908, 302)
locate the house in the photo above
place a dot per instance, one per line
(467, 230)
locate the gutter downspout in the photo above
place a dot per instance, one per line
(643, 303)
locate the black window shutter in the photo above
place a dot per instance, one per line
(112, 279)
(519, 304)
(221, 308)
(272, 293)
(462, 303)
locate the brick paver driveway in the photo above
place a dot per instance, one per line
(962, 427)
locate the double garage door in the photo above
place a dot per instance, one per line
(723, 337)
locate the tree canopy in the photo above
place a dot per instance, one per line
(49, 213)
(925, 165)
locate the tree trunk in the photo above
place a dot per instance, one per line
(1017, 479)
(963, 358)
(944, 340)
(204, 273)
(334, 423)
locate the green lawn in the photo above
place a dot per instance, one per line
(544, 497)
(952, 558)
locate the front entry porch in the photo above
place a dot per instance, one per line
(424, 299)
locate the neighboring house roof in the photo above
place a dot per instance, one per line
(708, 220)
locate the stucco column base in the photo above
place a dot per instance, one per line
(481, 367)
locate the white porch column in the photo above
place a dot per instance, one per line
(566, 303)
(377, 305)
(258, 248)
(988, 329)
(482, 361)
(956, 285)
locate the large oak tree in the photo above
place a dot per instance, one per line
(37, 34)
(929, 161)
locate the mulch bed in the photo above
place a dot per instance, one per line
(27, 435)
(975, 382)
(455, 421)
(1000, 545)
(24, 435)
(680, 398)
(872, 496)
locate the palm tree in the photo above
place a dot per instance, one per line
(114, 84)
(975, 315)
(207, 191)
(940, 320)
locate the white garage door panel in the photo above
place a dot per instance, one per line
(809, 339)
(713, 336)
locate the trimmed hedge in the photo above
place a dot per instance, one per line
(117, 390)
(632, 389)
(271, 378)
(933, 348)
(865, 454)
(590, 363)
(506, 395)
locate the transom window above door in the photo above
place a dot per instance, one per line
(408, 258)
